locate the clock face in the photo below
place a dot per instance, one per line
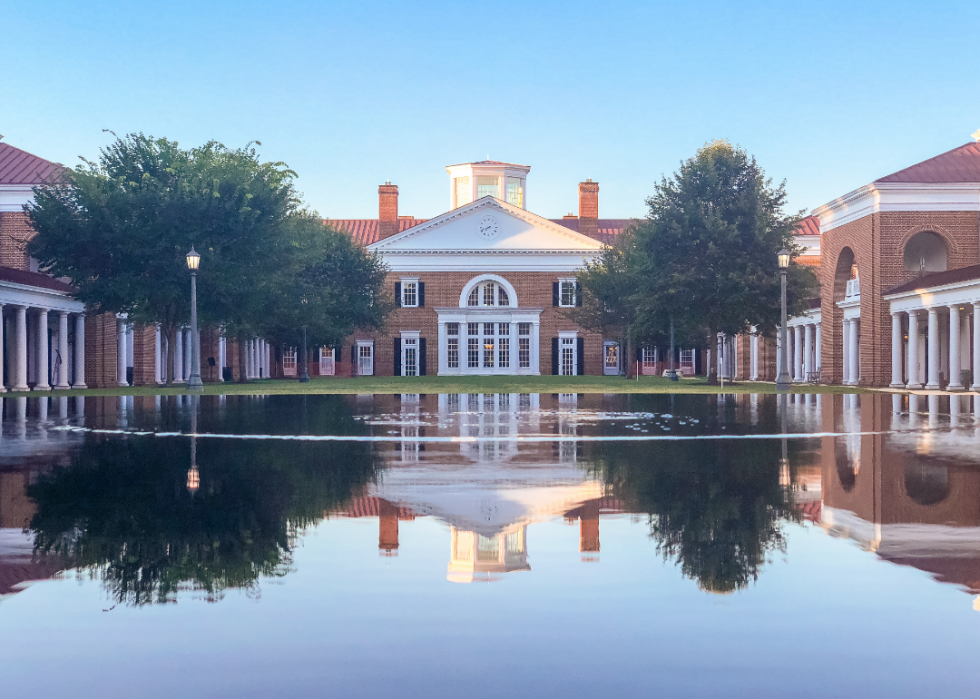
(488, 227)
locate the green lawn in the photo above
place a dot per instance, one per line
(467, 384)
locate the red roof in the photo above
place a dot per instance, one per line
(19, 276)
(961, 164)
(365, 230)
(489, 162)
(20, 167)
(371, 506)
(808, 226)
(951, 276)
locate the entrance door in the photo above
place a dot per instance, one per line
(410, 357)
(327, 366)
(610, 358)
(567, 358)
(365, 359)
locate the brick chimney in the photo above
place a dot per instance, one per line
(387, 210)
(588, 207)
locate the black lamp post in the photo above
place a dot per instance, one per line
(672, 372)
(783, 379)
(304, 376)
(194, 382)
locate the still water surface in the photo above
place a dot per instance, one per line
(490, 546)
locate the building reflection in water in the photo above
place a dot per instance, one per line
(878, 475)
(908, 495)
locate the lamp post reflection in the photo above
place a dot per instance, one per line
(193, 475)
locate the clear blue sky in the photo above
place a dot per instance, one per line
(828, 95)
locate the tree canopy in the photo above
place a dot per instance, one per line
(120, 228)
(704, 257)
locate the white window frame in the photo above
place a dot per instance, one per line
(361, 357)
(404, 282)
(561, 292)
(328, 361)
(290, 361)
(566, 338)
(410, 341)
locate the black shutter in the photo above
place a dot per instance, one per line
(421, 294)
(353, 359)
(580, 359)
(578, 294)
(422, 363)
(554, 294)
(697, 362)
(554, 356)
(398, 357)
(398, 294)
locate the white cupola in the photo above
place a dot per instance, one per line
(471, 181)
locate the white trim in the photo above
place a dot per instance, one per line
(508, 287)
(38, 297)
(897, 196)
(13, 197)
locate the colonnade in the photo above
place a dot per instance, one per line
(36, 355)
(257, 359)
(938, 337)
(804, 346)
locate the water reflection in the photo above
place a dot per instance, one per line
(154, 516)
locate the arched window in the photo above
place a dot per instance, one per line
(489, 291)
(925, 252)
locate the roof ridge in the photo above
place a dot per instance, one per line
(897, 173)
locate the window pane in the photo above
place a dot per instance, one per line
(409, 295)
(474, 297)
(473, 353)
(504, 299)
(452, 353)
(567, 294)
(410, 365)
(515, 192)
(488, 352)
(503, 352)
(487, 187)
(462, 185)
(524, 352)
(488, 328)
(612, 356)
(472, 329)
(523, 329)
(488, 294)
(503, 328)
(452, 328)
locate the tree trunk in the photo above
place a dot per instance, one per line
(713, 347)
(242, 360)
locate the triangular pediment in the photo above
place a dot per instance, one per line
(487, 225)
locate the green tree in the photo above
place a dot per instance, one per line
(704, 258)
(331, 285)
(120, 227)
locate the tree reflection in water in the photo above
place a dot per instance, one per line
(121, 511)
(716, 507)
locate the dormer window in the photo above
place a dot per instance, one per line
(469, 182)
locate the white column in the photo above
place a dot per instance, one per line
(897, 350)
(178, 350)
(43, 374)
(845, 348)
(853, 353)
(221, 358)
(79, 351)
(20, 342)
(754, 355)
(798, 353)
(248, 359)
(807, 351)
(976, 347)
(933, 356)
(188, 352)
(817, 351)
(954, 349)
(63, 349)
(157, 355)
(255, 357)
(912, 365)
(121, 352)
(2, 389)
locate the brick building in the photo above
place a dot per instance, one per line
(900, 277)
(484, 288)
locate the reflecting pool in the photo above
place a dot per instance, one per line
(490, 545)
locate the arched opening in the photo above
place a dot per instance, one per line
(488, 291)
(846, 270)
(926, 252)
(926, 484)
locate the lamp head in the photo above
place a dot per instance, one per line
(193, 260)
(783, 257)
